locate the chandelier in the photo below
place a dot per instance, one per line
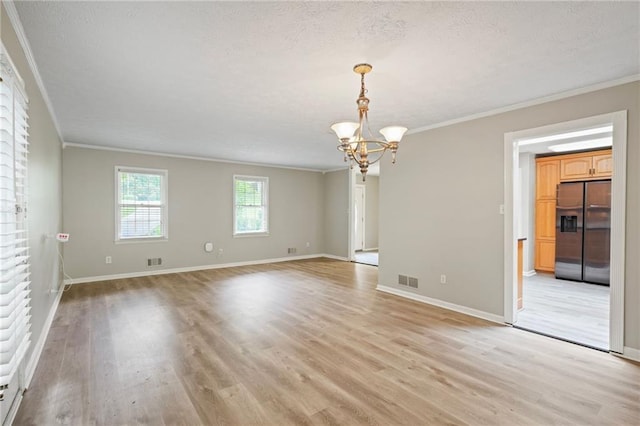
(356, 146)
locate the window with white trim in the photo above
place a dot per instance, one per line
(15, 289)
(141, 204)
(251, 205)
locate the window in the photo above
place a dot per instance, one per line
(141, 210)
(251, 206)
(15, 289)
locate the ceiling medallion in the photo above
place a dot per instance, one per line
(356, 146)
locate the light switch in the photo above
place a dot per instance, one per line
(208, 247)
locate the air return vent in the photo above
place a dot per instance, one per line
(413, 282)
(402, 279)
(292, 250)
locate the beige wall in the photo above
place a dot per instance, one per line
(45, 191)
(200, 210)
(336, 213)
(454, 228)
(371, 212)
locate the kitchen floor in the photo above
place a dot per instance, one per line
(573, 311)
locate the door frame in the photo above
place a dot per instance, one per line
(618, 212)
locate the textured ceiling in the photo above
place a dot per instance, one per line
(262, 82)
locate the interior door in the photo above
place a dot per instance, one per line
(359, 218)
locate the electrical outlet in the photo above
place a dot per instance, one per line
(443, 279)
(308, 244)
(107, 259)
(501, 209)
(220, 252)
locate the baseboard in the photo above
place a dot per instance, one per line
(194, 268)
(371, 249)
(332, 256)
(37, 349)
(442, 304)
(629, 353)
(529, 273)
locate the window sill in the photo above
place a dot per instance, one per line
(251, 234)
(142, 240)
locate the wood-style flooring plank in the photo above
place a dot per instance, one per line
(306, 342)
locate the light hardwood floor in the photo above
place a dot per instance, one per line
(307, 342)
(578, 312)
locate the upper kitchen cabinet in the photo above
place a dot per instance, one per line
(586, 166)
(547, 178)
(602, 165)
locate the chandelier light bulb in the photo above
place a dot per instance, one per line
(393, 133)
(345, 130)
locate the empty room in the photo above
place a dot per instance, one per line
(328, 213)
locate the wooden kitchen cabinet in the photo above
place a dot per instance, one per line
(547, 179)
(603, 165)
(586, 166)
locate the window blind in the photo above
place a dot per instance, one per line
(15, 307)
(250, 205)
(141, 203)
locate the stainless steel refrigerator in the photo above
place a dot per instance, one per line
(583, 231)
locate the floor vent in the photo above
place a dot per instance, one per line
(154, 261)
(402, 279)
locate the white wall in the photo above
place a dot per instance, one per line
(45, 195)
(200, 210)
(455, 228)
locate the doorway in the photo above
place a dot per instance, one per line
(584, 313)
(364, 217)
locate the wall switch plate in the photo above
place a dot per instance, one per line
(501, 209)
(208, 247)
(443, 279)
(107, 259)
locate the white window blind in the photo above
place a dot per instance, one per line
(251, 209)
(15, 307)
(141, 210)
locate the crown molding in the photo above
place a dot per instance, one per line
(14, 18)
(339, 169)
(184, 157)
(539, 101)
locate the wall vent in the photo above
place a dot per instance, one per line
(154, 261)
(413, 282)
(292, 250)
(402, 280)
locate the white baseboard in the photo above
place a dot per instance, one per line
(629, 353)
(37, 349)
(195, 268)
(332, 256)
(529, 273)
(371, 249)
(442, 304)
